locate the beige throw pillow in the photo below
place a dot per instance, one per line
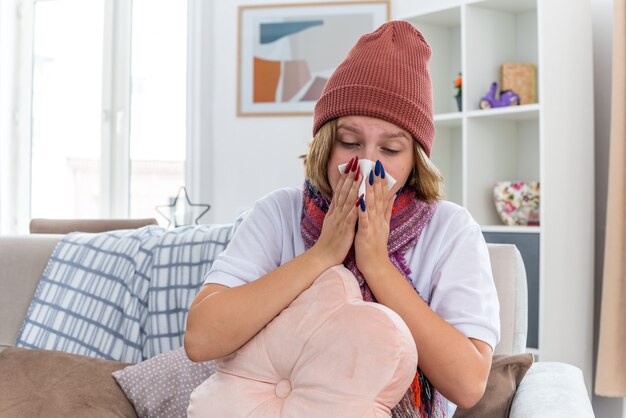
(507, 371)
(52, 384)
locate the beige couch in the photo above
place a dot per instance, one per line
(549, 389)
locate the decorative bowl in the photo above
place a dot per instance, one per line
(517, 202)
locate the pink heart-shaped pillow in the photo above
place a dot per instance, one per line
(327, 354)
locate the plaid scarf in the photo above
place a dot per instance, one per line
(408, 218)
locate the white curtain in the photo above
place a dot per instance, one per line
(611, 369)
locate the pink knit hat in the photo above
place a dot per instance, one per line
(384, 76)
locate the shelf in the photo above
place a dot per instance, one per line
(442, 29)
(475, 148)
(446, 17)
(453, 119)
(511, 229)
(516, 113)
(498, 150)
(510, 6)
(498, 32)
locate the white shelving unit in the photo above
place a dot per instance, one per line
(550, 141)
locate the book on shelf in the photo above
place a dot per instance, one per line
(522, 79)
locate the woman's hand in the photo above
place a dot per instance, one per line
(371, 239)
(338, 229)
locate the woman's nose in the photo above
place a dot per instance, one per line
(368, 154)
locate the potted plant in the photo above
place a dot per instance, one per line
(458, 84)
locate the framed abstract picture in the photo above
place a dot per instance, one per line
(287, 52)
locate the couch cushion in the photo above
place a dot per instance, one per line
(506, 374)
(42, 383)
(327, 354)
(161, 385)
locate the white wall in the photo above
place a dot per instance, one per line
(251, 155)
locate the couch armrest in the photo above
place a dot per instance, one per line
(22, 260)
(552, 390)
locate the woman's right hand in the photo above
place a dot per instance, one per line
(338, 229)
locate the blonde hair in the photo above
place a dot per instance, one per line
(425, 177)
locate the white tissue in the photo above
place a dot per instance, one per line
(366, 167)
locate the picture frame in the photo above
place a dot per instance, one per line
(287, 52)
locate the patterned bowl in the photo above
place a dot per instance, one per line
(517, 202)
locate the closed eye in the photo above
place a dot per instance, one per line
(349, 144)
(390, 151)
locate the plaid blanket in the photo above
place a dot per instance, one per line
(121, 295)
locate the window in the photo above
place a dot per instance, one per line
(108, 106)
(158, 117)
(66, 108)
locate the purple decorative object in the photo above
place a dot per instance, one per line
(507, 98)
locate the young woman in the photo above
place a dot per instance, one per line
(423, 257)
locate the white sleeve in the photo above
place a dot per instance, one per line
(254, 249)
(462, 290)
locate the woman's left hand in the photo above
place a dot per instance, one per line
(370, 242)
